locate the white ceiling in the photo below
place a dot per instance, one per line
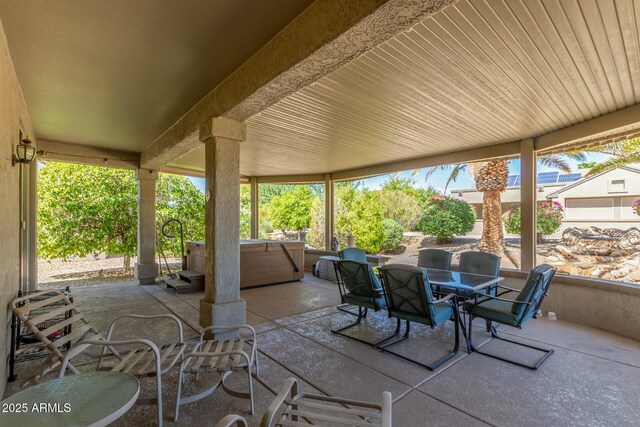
(478, 73)
(118, 73)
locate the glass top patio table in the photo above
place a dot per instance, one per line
(467, 283)
(87, 399)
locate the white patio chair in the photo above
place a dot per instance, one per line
(139, 357)
(222, 356)
(304, 409)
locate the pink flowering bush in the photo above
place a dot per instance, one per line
(636, 207)
(444, 218)
(549, 218)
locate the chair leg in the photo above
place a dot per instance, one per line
(341, 307)
(438, 362)
(494, 334)
(250, 389)
(362, 314)
(159, 391)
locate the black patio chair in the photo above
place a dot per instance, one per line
(409, 298)
(355, 282)
(513, 312)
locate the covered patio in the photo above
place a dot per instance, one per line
(592, 378)
(324, 92)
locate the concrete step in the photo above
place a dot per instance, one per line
(181, 285)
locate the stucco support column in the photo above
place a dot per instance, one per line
(146, 269)
(254, 207)
(221, 304)
(328, 212)
(528, 205)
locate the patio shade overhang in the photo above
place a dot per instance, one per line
(445, 82)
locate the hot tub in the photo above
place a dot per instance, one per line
(262, 262)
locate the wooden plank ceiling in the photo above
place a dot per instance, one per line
(478, 73)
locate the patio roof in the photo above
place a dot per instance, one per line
(473, 75)
(592, 378)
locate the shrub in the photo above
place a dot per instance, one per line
(636, 207)
(444, 218)
(400, 207)
(358, 214)
(392, 233)
(549, 219)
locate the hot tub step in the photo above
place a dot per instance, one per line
(189, 281)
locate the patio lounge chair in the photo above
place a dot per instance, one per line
(513, 312)
(232, 420)
(223, 357)
(409, 297)
(312, 409)
(355, 282)
(304, 409)
(140, 357)
(434, 258)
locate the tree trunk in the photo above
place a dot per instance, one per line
(491, 180)
(492, 234)
(127, 262)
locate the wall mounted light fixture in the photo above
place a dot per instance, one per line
(25, 152)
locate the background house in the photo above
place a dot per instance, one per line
(604, 200)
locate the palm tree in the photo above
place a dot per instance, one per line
(623, 153)
(491, 179)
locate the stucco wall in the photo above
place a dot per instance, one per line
(602, 304)
(13, 116)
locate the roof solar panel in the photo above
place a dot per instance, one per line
(511, 180)
(569, 177)
(547, 178)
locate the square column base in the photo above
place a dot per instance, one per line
(146, 273)
(223, 314)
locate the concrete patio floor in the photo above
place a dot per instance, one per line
(593, 378)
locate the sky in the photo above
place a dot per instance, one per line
(439, 178)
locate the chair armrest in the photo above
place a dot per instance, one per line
(486, 298)
(232, 420)
(449, 297)
(147, 317)
(289, 388)
(221, 329)
(80, 346)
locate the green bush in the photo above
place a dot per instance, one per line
(358, 214)
(444, 218)
(392, 233)
(549, 219)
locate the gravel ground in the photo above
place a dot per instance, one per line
(85, 271)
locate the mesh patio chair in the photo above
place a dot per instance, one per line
(353, 254)
(434, 258)
(222, 356)
(304, 409)
(138, 357)
(359, 255)
(409, 297)
(484, 263)
(357, 288)
(513, 312)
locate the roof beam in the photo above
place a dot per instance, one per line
(625, 120)
(509, 149)
(84, 154)
(291, 179)
(327, 35)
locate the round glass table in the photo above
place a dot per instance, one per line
(87, 399)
